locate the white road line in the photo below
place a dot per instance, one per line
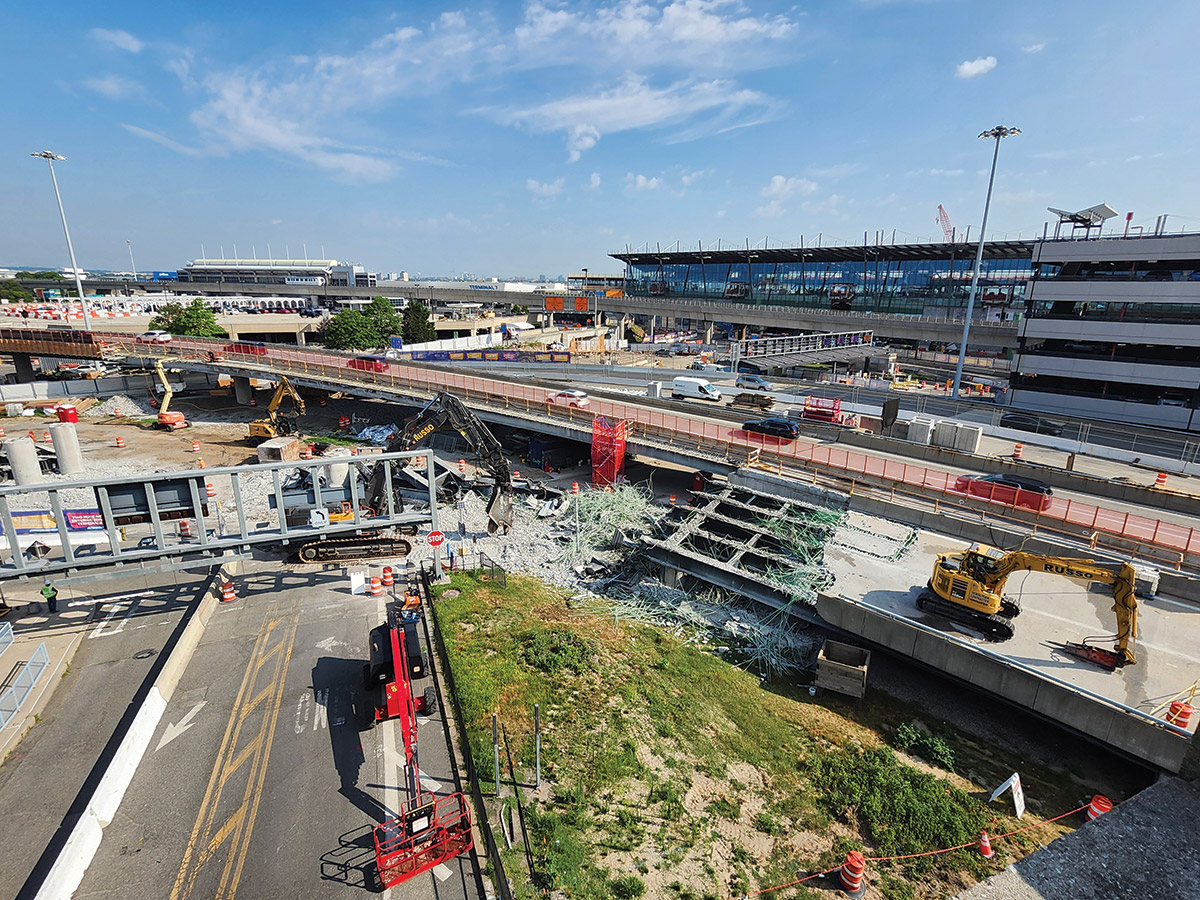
(1190, 607)
(441, 871)
(428, 783)
(99, 631)
(302, 712)
(97, 601)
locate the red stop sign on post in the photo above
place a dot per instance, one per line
(436, 538)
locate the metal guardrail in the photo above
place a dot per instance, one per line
(23, 685)
(6, 636)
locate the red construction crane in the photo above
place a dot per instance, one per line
(944, 221)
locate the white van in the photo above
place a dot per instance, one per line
(695, 388)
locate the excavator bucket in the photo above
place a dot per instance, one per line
(499, 511)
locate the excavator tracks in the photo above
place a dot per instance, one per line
(994, 628)
(366, 546)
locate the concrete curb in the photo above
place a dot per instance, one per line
(77, 854)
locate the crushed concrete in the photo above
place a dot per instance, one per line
(127, 405)
(1146, 847)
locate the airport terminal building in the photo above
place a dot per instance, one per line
(297, 272)
(1109, 325)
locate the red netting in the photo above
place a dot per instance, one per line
(608, 451)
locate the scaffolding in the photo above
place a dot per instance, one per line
(608, 451)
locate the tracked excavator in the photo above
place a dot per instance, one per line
(968, 587)
(275, 425)
(444, 410)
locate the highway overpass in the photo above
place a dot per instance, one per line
(699, 312)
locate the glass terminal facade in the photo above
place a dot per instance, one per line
(912, 279)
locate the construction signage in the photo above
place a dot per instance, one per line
(436, 539)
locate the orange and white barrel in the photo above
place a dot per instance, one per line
(388, 578)
(1098, 807)
(851, 874)
(228, 594)
(376, 586)
(1018, 450)
(1179, 713)
(195, 446)
(120, 443)
(1160, 480)
(210, 489)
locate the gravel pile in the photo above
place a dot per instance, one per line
(126, 404)
(1145, 847)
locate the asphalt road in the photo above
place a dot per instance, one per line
(46, 782)
(264, 779)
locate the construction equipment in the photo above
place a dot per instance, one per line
(968, 587)
(429, 830)
(947, 225)
(444, 410)
(167, 420)
(275, 425)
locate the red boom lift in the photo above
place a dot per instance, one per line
(429, 830)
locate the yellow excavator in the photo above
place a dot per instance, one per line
(167, 420)
(968, 587)
(274, 424)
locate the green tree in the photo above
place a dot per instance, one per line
(383, 317)
(351, 330)
(42, 276)
(10, 290)
(195, 319)
(417, 327)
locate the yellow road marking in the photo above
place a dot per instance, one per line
(216, 825)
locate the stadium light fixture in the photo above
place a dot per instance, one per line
(50, 157)
(998, 134)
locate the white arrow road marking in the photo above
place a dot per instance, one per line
(174, 731)
(302, 712)
(115, 608)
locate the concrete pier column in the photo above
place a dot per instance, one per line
(22, 456)
(337, 472)
(241, 390)
(66, 446)
(23, 363)
(707, 329)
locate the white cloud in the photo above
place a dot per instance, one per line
(633, 104)
(782, 187)
(642, 183)
(122, 40)
(1033, 48)
(163, 140)
(545, 190)
(277, 221)
(687, 179)
(979, 66)
(838, 170)
(594, 181)
(770, 210)
(114, 87)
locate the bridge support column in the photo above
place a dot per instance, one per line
(23, 363)
(241, 390)
(707, 328)
(653, 326)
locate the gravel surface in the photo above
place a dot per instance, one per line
(127, 405)
(1147, 847)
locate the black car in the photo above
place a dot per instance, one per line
(1027, 422)
(776, 426)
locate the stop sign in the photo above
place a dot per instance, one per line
(436, 538)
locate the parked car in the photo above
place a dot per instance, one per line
(573, 399)
(1011, 490)
(1029, 422)
(746, 381)
(776, 426)
(153, 337)
(369, 363)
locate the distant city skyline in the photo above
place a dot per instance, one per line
(539, 137)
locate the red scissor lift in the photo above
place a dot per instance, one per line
(429, 830)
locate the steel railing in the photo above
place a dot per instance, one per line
(23, 684)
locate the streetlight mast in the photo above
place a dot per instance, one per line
(49, 157)
(998, 133)
(132, 264)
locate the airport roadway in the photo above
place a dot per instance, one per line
(123, 629)
(265, 779)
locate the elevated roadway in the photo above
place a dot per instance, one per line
(699, 311)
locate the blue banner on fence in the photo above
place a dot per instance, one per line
(40, 521)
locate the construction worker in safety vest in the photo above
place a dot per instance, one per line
(50, 592)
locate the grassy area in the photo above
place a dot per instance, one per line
(675, 774)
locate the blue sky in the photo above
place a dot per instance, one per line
(510, 138)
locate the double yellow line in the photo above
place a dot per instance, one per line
(225, 821)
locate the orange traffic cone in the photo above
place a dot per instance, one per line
(985, 846)
(120, 443)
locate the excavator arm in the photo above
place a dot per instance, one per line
(274, 424)
(969, 587)
(285, 389)
(446, 411)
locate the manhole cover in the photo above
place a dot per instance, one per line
(144, 654)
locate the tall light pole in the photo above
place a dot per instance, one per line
(49, 157)
(998, 133)
(132, 264)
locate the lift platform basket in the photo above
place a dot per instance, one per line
(427, 832)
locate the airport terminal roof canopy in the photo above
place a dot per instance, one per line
(843, 253)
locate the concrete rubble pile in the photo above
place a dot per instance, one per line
(127, 405)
